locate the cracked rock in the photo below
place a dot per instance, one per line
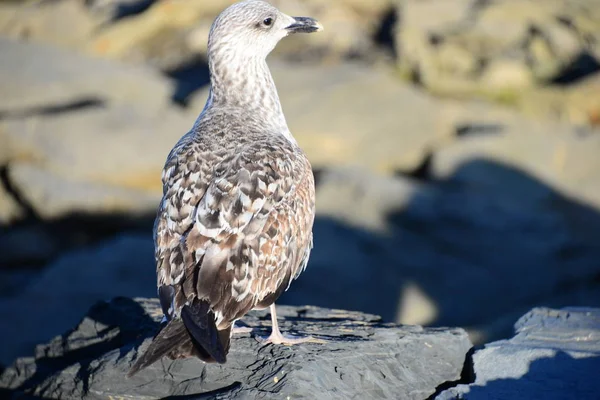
(362, 357)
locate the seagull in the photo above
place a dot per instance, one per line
(234, 226)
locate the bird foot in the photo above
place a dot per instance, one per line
(277, 338)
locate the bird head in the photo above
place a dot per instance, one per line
(253, 28)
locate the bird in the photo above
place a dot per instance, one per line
(234, 226)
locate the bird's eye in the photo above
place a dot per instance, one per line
(268, 21)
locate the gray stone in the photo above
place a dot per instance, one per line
(53, 195)
(35, 75)
(55, 300)
(555, 354)
(362, 357)
(84, 135)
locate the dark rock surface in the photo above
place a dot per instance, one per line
(362, 358)
(555, 354)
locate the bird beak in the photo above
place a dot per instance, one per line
(304, 25)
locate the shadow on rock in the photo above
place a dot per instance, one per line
(110, 325)
(478, 249)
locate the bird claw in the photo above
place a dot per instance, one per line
(287, 340)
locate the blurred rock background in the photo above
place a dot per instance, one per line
(456, 146)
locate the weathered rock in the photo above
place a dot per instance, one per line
(554, 355)
(362, 356)
(54, 301)
(497, 49)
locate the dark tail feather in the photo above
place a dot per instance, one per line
(200, 323)
(171, 336)
(195, 334)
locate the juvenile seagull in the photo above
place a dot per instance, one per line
(234, 226)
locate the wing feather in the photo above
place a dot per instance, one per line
(234, 228)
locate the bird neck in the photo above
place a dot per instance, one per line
(245, 84)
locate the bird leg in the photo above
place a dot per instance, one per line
(276, 337)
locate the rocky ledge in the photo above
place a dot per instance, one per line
(555, 354)
(362, 356)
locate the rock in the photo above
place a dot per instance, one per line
(449, 250)
(91, 360)
(53, 195)
(565, 159)
(62, 118)
(499, 49)
(88, 117)
(43, 80)
(555, 354)
(583, 294)
(45, 22)
(54, 301)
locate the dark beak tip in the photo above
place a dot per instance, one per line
(305, 25)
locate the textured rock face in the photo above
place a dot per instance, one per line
(555, 354)
(502, 50)
(362, 357)
(508, 44)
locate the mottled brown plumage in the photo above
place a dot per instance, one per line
(233, 229)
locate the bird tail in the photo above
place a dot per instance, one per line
(200, 322)
(195, 334)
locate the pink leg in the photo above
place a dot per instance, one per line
(276, 337)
